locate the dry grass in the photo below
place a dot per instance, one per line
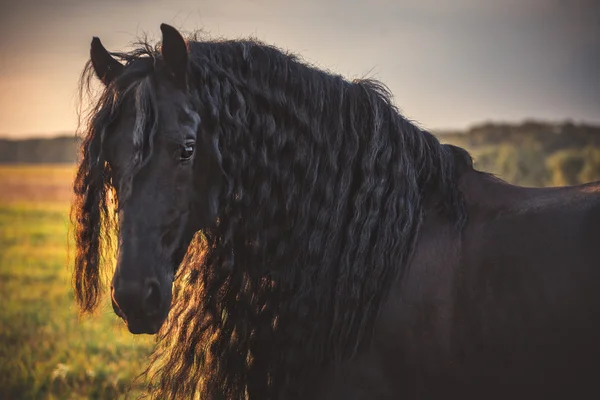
(36, 183)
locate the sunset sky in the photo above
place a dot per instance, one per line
(449, 64)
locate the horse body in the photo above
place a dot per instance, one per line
(506, 310)
(342, 252)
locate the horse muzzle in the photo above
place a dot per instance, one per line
(143, 307)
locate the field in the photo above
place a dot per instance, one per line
(46, 350)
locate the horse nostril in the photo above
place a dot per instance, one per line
(152, 299)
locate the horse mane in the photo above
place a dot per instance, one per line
(326, 186)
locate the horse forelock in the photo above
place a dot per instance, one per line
(133, 92)
(142, 93)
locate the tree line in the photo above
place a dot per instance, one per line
(531, 153)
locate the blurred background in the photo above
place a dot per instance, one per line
(516, 82)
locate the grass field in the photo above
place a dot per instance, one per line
(46, 350)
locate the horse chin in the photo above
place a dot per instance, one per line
(138, 327)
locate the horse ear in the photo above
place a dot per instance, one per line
(175, 53)
(105, 66)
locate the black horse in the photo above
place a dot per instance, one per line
(289, 235)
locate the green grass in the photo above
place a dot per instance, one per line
(46, 350)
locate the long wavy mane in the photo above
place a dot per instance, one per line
(326, 188)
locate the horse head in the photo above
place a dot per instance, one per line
(165, 170)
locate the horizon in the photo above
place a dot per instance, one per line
(448, 67)
(443, 131)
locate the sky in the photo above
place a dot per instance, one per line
(449, 64)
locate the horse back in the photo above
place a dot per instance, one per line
(509, 306)
(527, 305)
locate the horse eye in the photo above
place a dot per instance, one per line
(187, 151)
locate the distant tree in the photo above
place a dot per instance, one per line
(565, 167)
(591, 170)
(519, 165)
